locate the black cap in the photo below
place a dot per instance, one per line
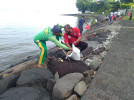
(56, 29)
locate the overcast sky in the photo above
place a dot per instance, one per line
(34, 10)
(47, 6)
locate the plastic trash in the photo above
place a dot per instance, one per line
(75, 55)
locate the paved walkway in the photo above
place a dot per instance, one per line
(115, 78)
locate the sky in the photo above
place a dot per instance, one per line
(34, 11)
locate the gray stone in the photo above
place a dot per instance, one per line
(35, 77)
(98, 50)
(107, 47)
(50, 85)
(87, 80)
(25, 93)
(80, 88)
(73, 97)
(64, 86)
(95, 64)
(93, 44)
(8, 82)
(88, 73)
(56, 76)
(87, 51)
(88, 61)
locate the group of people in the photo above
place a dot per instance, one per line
(71, 36)
(113, 16)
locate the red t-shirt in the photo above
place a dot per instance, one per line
(69, 38)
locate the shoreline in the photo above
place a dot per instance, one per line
(50, 50)
(99, 39)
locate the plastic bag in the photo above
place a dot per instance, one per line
(75, 55)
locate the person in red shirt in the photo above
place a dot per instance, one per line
(73, 36)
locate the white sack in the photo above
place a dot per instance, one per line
(75, 55)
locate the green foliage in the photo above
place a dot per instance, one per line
(126, 1)
(93, 21)
(83, 5)
(114, 6)
(100, 7)
(125, 6)
(103, 6)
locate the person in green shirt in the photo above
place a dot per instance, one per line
(48, 35)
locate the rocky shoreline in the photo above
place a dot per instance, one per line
(67, 80)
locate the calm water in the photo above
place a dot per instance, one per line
(16, 40)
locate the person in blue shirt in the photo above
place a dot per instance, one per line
(80, 24)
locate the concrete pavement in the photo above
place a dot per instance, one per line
(115, 78)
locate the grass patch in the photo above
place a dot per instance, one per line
(127, 18)
(93, 22)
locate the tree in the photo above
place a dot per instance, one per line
(83, 5)
(126, 1)
(101, 6)
(115, 6)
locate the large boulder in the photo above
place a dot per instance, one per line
(87, 51)
(57, 54)
(25, 93)
(98, 51)
(93, 44)
(66, 67)
(35, 77)
(8, 82)
(64, 86)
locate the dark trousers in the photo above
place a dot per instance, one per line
(82, 45)
(81, 29)
(130, 17)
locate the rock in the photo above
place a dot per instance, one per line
(67, 67)
(56, 76)
(91, 73)
(91, 35)
(88, 73)
(35, 77)
(25, 93)
(93, 44)
(64, 86)
(102, 55)
(73, 97)
(80, 88)
(87, 80)
(102, 35)
(95, 64)
(98, 51)
(93, 38)
(91, 57)
(88, 61)
(8, 82)
(50, 85)
(107, 47)
(57, 54)
(87, 51)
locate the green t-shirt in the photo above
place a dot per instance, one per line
(47, 35)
